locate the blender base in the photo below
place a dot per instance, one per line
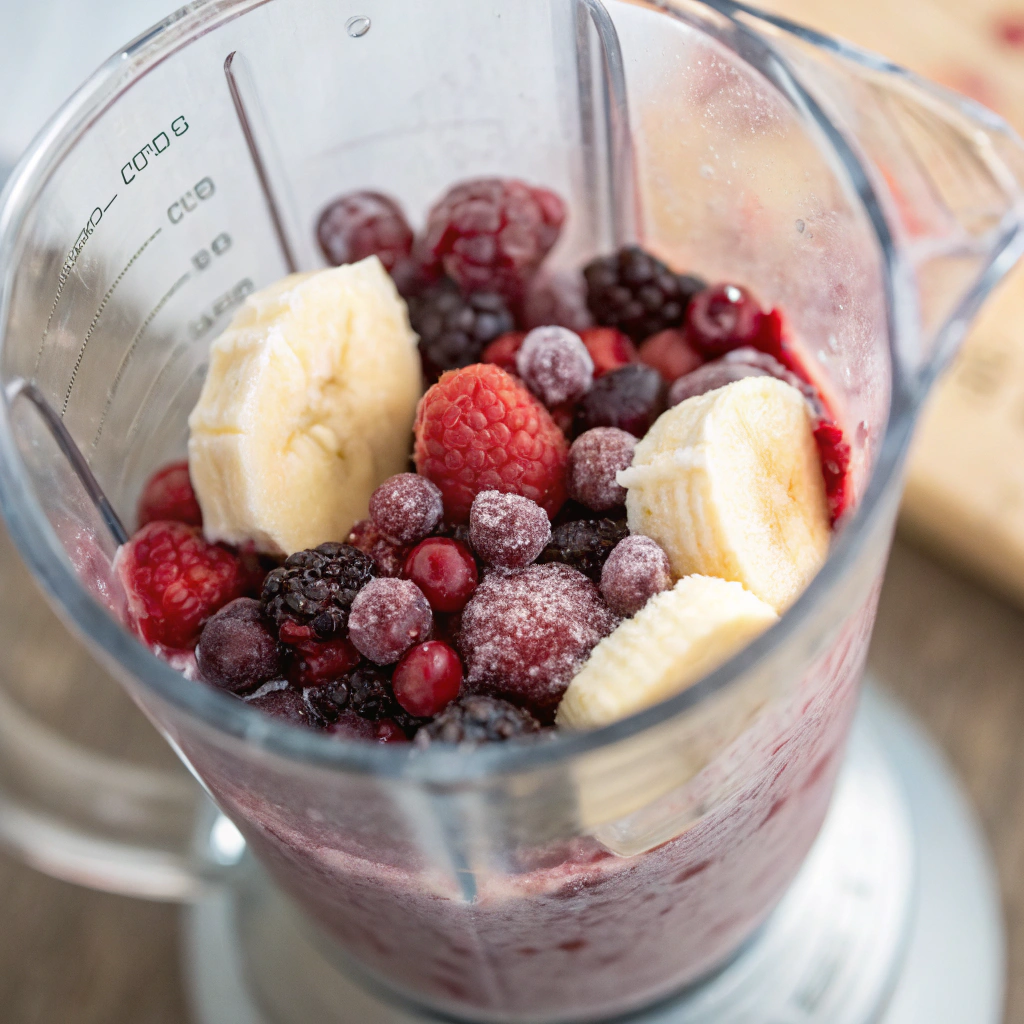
(893, 919)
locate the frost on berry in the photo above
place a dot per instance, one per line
(168, 495)
(526, 632)
(237, 651)
(594, 459)
(711, 377)
(387, 557)
(478, 719)
(555, 364)
(636, 570)
(285, 704)
(406, 508)
(508, 530)
(387, 617)
(364, 224)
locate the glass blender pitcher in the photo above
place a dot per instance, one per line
(598, 873)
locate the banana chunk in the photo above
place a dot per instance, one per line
(678, 637)
(308, 405)
(729, 483)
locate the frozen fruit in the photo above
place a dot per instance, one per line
(724, 317)
(594, 460)
(677, 638)
(491, 234)
(671, 354)
(478, 719)
(236, 649)
(525, 632)
(285, 703)
(478, 429)
(637, 293)
(388, 558)
(835, 464)
(364, 224)
(350, 726)
(427, 679)
(387, 618)
(609, 348)
(555, 365)
(585, 544)
(771, 365)
(315, 662)
(168, 495)
(175, 580)
(406, 508)
(445, 570)
(502, 352)
(631, 399)
(711, 377)
(316, 588)
(364, 691)
(635, 571)
(508, 530)
(558, 297)
(730, 484)
(454, 328)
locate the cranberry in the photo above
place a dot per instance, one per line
(406, 508)
(508, 530)
(609, 348)
(321, 661)
(387, 618)
(364, 224)
(722, 318)
(286, 704)
(636, 570)
(427, 679)
(555, 365)
(594, 460)
(445, 570)
(236, 650)
(168, 495)
(631, 399)
(351, 726)
(671, 354)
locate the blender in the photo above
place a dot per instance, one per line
(672, 865)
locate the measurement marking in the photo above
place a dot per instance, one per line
(257, 161)
(96, 319)
(154, 312)
(110, 204)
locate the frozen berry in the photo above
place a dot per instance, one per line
(636, 570)
(637, 293)
(315, 662)
(491, 234)
(427, 679)
(585, 544)
(555, 365)
(364, 224)
(174, 581)
(478, 429)
(478, 719)
(350, 726)
(526, 632)
(631, 399)
(285, 703)
(835, 465)
(508, 530)
(406, 508)
(454, 329)
(387, 618)
(315, 588)
(445, 570)
(671, 354)
(722, 318)
(388, 558)
(503, 351)
(772, 366)
(558, 297)
(594, 459)
(609, 348)
(236, 649)
(168, 495)
(711, 377)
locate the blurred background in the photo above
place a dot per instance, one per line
(950, 635)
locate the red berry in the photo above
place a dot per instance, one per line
(175, 581)
(427, 679)
(710, 377)
(555, 365)
(508, 530)
(721, 318)
(491, 234)
(389, 558)
(364, 224)
(595, 457)
(609, 348)
(835, 466)
(387, 618)
(445, 570)
(321, 661)
(236, 650)
(502, 352)
(671, 354)
(636, 570)
(286, 704)
(631, 399)
(351, 726)
(478, 429)
(291, 632)
(557, 297)
(406, 508)
(168, 495)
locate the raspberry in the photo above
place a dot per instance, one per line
(631, 399)
(316, 588)
(609, 348)
(636, 293)
(285, 703)
(503, 351)
(711, 377)
(364, 224)
(478, 429)
(491, 234)
(508, 530)
(594, 459)
(406, 508)
(722, 318)
(555, 365)
(427, 679)
(671, 354)
(316, 662)
(388, 558)
(387, 618)
(175, 581)
(585, 544)
(454, 329)
(445, 570)
(557, 298)
(236, 649)
(835, 465)
(478, 719)
(636, 570)
(168, 495)
(526, 632)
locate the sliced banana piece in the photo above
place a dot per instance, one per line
(678, 637)
(729, 483)
(308, 405)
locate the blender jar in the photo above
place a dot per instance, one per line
(595, 873)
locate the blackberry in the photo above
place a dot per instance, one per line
(637, 293)
(478, 719)
(365, 691)
(454, 329)
(316, 588)
(585, 544)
